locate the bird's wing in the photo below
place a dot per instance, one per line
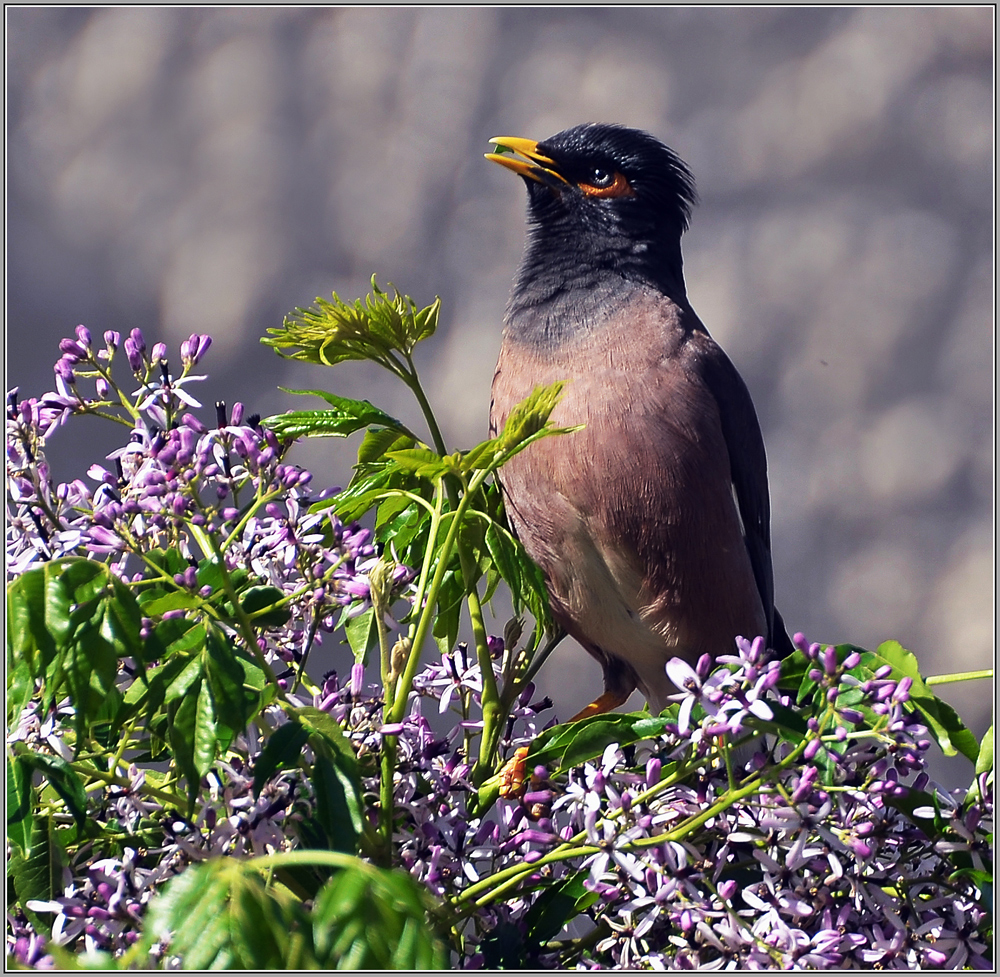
(748, 463)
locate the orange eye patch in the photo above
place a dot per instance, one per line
(618, 187)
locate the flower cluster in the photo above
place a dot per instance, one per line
(179, 483)
(779, 815)
(818, 866)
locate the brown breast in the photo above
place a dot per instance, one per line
(632, 519)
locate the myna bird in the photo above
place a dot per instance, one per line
(651, 523)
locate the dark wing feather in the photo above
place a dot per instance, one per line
(748, 463)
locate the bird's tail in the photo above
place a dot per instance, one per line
(780, 643)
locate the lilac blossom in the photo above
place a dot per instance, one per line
(822, 865)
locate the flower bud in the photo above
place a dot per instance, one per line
(134, 355)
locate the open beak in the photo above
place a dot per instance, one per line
(528, 162)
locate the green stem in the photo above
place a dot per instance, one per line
(959, 677)
(413, 382)
(242, 619)
(387, 800)
(426, 616)
(488, 890)
(107, 779)
(492, 709)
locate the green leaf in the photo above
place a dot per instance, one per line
(366, 919)
(362, 635)
(409, 528)
(233, 703)
(503, 947)
(256, 599)
(346, 417)
(70, 621)
(283, 749)
(183, 678)
(20, 689)
(219, 915)
(946, 726)
(574, 743)
(336, 780)
(38, 875)
(451, 597)
(391, 507)
(20, 821)
(178, 600)
(363, 492)
(555, 907)
(529, 420)
(423, 462)
(377, 441)
(330, 332)
(984, 762)
(63, 779)
(182, 721)
(787, 723)
(333, 808)
(943, 722)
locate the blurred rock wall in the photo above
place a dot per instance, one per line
(206, 170)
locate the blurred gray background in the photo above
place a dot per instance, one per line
(206, 170)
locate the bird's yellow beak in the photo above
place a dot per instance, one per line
(532, 164)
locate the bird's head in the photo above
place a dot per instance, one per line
(602, 200)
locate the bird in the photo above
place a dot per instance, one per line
(651, 522)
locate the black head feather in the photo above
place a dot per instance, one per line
(610, 212)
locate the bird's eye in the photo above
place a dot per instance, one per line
(605, 183)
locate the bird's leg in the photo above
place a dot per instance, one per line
(513, 777)
(605, 702)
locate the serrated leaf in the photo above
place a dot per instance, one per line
(329, 332)
(377, 441)
(70, 621)
(366, 919)
(529, 420)
(220, 915)
(314, 424)
(361, 413)
(423, 462)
